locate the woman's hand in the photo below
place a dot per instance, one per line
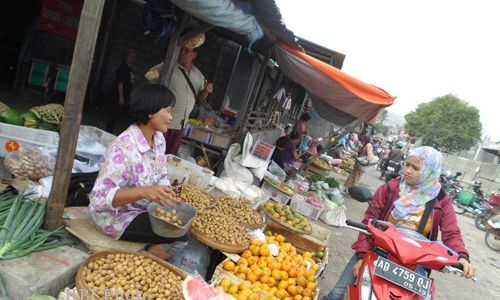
(355, 268)
(159, 193)
(469, 269)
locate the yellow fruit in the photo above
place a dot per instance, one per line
(281, 294)
(292, 290)
(229, 265)
(284, 275)
(242, 261)
(276, 274)
(311, 286)
(225, 283)
(241, 297)
(244, 286)
(246, 254)
(283, 284)
(233, 289)
(264, 279)
(307, 292)
(298, 297)
(271, 281)
(264, 250)
(301, 281)
(242, 276)
(291, 281)
(254, 296)
(251, 277)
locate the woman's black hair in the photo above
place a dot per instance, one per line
(305, 116)
(294, 135)
(148, 99)
(283, 142)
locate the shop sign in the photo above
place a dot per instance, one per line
(61, 17)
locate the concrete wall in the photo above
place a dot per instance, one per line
(489, 174)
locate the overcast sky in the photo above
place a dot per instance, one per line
(415, 50)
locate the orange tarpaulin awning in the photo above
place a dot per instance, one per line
(337, 96)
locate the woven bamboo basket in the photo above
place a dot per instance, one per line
(82, 286)
(50, 113)
(216, 245)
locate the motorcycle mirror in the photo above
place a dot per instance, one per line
(458, 174)
(360, 193)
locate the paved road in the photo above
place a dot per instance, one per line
(448, 286)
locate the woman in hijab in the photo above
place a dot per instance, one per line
(402, 201)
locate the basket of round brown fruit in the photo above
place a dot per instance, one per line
(241, 211)
(284, 215)
(171, 222)
(199, 199)
(127, 275)
(220, 232)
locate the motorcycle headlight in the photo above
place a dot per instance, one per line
(366, 285)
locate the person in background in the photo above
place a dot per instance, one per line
(357, 172)
(189, 87)
(383, 156)
(281, 144)
(402, 201)
(133, 173)
(396, 155)
(290, 153)
(121, 90)
(287, 130)
(301, 126)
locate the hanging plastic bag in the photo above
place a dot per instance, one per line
(233, 168)
(30, 163)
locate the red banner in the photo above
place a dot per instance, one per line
(61, 17)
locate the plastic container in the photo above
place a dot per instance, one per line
(13, 138)
(220, 140)
(103, 137)
(185, 212)
(199, 177)
(199, 134)
(311, 209)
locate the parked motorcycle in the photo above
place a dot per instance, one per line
(492, 237)
(394, 267)
(391, 170)
(472, 202)
(451, 183)
(493, 206)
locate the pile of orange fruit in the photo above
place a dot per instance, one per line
(288, 275)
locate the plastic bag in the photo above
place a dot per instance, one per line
(232, 167)
(30, 163)
(193, 257)
(335, 216)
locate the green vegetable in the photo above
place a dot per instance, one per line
(332, 183)
(49, 127)
(30, 120)
(40, 297)
(20, 223)
(11, 116)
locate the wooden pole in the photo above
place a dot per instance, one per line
(173, 50)
(81, 65)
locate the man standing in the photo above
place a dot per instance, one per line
(121, 89)
(188, 85)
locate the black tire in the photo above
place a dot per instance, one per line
(459, 209)
(492, 239)
(480, 221)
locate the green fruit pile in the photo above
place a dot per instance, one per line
(287, 215)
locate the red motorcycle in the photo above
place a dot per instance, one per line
(395, 266)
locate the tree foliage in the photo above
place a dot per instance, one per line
(379, 126)
(446, 123)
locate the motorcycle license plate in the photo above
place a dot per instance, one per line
(403, 277)
(390, 169)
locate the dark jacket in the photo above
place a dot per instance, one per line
(443, 218)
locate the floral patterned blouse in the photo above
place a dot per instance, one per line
(129, 162)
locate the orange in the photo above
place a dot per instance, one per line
(281, 294)
(242, 276)
(315, 267)
(244, 286)
(280, 238)
(293, 273)
(283, 284)
(307, 254)
(254, 242)
(311, 286)
(255, 250)
(242, 261)
(262, 264)
(243, 269)
(274, 266)
(264, 250)
(265, 287)
(241, 297)
(286, 266)
(229, 265)
(292, 290)
(271, 281)
(311, 278)
(271, 297)
(254, 296)
(301, 281)
(252, 260)
(270, 259)
(284, 275)
(246, 254)
(297, 297)
(306, 298)
(233, 289)
(266, 271)
(264, 279)
(291, 281)
(307, 292)
(251, 277)
(276, 274)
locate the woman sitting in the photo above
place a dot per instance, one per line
(134, 174)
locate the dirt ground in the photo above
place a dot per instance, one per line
(449, 286)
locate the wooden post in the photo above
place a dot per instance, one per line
(77, 85)
(173, 50)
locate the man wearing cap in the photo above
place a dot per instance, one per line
(188, 85)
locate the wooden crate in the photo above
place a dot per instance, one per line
(318, 233)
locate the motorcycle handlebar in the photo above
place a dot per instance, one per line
(356, 224)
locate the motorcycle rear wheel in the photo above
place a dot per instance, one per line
(480, 221)
(459, 209)
(492, 239)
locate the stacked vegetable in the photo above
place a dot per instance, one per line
(21, 218)
(327, 190)
(46, 117)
